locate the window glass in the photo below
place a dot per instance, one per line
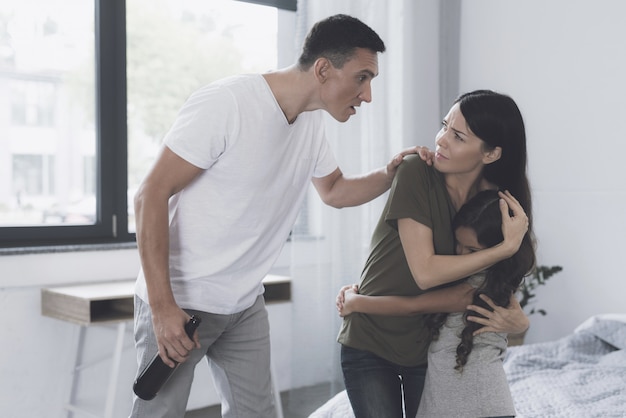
(176, 46)
(53, 123)
(47, 96)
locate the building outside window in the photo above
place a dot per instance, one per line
(53, 137)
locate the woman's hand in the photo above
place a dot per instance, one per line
(515, 226)
(511, 320)
(342, 298)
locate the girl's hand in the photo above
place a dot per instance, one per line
(514, 227)
(347, 307)
(340, 301)
(511, 320)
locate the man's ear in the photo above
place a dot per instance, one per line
(321, 68)
(493, 155)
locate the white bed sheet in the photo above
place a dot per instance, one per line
(582, 375)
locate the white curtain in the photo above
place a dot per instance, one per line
(404, 112)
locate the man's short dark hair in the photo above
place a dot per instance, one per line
(336, 38)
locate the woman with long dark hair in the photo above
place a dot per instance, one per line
(481, 146)
(459, 362)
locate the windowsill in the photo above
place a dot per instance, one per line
(68, 248)
(48, 249)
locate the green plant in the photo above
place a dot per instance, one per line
(528, 288)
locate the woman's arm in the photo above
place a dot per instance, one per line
(449, 299)
(431, 270)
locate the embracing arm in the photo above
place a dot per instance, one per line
(449, 299)
(339, 190)
(511, 319)
(431, 270)
(168, 176)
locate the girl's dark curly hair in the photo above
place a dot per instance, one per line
(482, 215)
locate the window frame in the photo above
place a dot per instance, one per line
(111, 226)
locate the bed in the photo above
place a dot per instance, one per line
(582, 375)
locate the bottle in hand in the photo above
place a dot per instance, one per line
(156, 373)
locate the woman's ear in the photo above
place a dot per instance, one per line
(321, 67)
(493, 155)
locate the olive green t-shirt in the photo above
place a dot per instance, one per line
(418, 192)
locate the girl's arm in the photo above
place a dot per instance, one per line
(431, 270)
(511, 320)
(450, 299)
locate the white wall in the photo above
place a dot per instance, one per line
(564, 62)
(37, 353)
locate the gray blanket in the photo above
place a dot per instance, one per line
(582, 375)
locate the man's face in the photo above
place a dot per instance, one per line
(346, 88)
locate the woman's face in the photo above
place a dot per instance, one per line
(458, 150)
(466, 241)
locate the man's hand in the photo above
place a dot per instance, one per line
(172, 340)
(424, 153)
(511, 320)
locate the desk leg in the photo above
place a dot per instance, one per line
(115, 370)
(78, 358)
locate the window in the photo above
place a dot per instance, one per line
(32, 102)
(87, 101)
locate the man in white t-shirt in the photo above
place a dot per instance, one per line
(218, 205)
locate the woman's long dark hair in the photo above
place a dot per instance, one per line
(482, 215)
(497, 121)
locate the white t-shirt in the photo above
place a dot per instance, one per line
(228, 226)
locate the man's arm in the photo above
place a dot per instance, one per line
(339, 191)
(169, 175)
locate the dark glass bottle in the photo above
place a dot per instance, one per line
(156, 373)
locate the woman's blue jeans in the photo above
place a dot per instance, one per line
(378, 388)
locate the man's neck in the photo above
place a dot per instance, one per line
(293, 90)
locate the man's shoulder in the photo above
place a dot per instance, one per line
(231, 82)
(230, 89)
(238, 80)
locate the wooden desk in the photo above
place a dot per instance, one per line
(113, 303)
